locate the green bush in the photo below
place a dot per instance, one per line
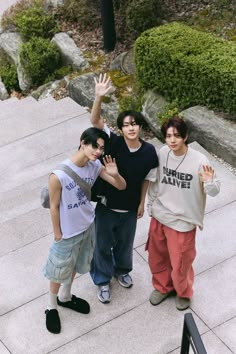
(9, 16)
(35, 22)
(8, 74)
(188, 65)
(130, 102)
(142, 14)
(40, 59)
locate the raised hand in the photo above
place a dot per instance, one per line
(102, 85)
(207, 173)
(110, 166)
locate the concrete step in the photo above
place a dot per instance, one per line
(12, 107)
(34, 116)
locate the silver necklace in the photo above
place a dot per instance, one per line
(167, 159)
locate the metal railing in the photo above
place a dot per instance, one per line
(191, 337)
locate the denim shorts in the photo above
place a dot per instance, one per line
(70, 255)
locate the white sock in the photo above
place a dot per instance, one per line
(52, 301)
(65, 292)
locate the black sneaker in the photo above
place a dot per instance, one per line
(53, 322)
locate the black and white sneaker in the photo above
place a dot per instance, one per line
(125, 280)
(104, 294)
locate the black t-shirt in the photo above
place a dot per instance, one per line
(134, 167)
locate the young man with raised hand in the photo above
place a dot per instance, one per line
(72, 217)
(117, 211)
(176, 203)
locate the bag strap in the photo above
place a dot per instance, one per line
(86, 188)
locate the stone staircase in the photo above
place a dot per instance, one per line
(34, 137)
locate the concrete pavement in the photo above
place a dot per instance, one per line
(34, 137)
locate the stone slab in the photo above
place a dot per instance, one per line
(24, 229)
(217, 242)
(36, 116)
(43, 145)
(20, 200)
(26, 304)
(3, 349)
(214, 294)
(144, 329)
(212, 344)
(226, 332)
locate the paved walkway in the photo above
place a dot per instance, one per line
(34, 137)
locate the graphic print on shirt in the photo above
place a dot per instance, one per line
(82, 199)
(176, 179)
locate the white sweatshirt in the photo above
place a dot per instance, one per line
(177, 199)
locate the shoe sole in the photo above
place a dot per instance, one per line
(158, 303)
(104, 301)
(169, 294)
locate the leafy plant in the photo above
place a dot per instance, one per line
(40, 58)
(35, 22)
(170, 110)
(8, 74)
(9, 16)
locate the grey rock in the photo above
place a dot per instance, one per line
(81, 90)
(3, 92)
(70, 53)
(153, 104)
(214, 133)
(10, 43)
(54, 3)
(116, 64)
(46, 90)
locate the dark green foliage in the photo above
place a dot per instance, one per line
(142, 14)
(135, 16)
(188, 65)
(63, 71)
(130, 102)
(8, 74)
(40, 59)
(35, 22)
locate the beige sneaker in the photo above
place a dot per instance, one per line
(156, 297)
(182, 303)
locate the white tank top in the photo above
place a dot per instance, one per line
(76, 211)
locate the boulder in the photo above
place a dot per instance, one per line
(215, 134)
(3, 92)
(70, 53)
(81, 90)
(10, 43)
(153, 104)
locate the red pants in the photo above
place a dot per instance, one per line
(170, 256)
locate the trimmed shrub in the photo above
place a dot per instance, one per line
(40, 58)
(35, 22)
(188, 65)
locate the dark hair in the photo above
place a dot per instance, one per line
(91, 135)
(177, 123)
(137, 116)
